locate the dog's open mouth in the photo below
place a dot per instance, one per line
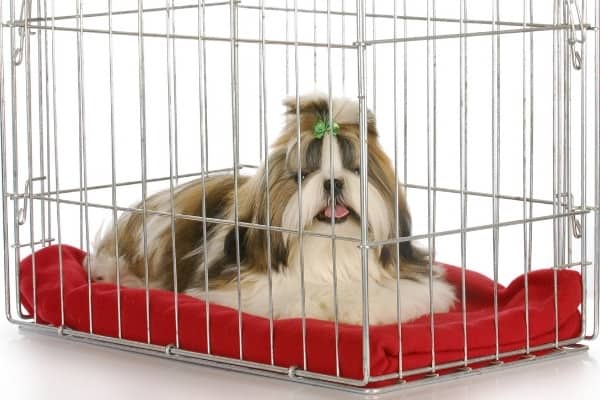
(341, 212)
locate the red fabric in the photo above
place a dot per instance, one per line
(416, 339)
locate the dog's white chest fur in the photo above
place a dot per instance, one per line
(385, 292)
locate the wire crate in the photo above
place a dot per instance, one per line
(488, 111)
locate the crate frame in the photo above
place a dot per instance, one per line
(569, 28)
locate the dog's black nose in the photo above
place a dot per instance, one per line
(339, 185)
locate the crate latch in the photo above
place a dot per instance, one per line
(22, 212)
(575, 39)
(24, 15)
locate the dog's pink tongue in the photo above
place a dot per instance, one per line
(340, 211)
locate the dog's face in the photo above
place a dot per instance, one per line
(302, 192)
(322, 174)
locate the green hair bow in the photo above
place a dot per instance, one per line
(322, 127)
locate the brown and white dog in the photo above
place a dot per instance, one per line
(221, 249)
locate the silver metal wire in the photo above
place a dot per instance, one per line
(202, 105)
(597, 174)
(173, 149)
(430, 180)
(463, 174)
(265, 141)
(83, 172)
(34, 131)
(113, 167)
(583, 169)
(3, 154)
(495, 156)
(397, 195)
(299, 180)
(57, 172)
(361, 37)
(336, 326)
(142, 104)
(526, 227)
(233, 28)
(29, 127)
(557, 131)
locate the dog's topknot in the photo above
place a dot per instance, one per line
(345, 110)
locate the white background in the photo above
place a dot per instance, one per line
(40, 367)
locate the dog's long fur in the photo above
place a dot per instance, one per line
(225, 245)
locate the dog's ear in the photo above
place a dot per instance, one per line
(230, 245)
(258, 249)
(254, 242)
(411, 259)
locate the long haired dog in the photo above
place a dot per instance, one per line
(291, 257)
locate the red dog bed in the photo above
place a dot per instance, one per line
(416, 339)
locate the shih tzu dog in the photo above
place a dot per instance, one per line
(290, 257)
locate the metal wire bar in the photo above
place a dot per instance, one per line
(216, 361)
(287, 51)
(224, 362)
(48, 173)
(496, 165)
(343, 27)
(202, 106)
(35, 243)
(567, 138)
(405, 94)
(556, 45)
(397, 196)
(289, 10)
(299, 180)
(29, 129)
(190, 37)
(173, 167)
(143, 159)
(3, 166)
(233, 28)
(314, 14)
(475, 360)
(558, 27)
(402, 16)
(57, 171)
(583, 174)
(378, 243)
(597, 176)
(370, 244)
(208, 219)
(226, 170)
(374, 60)
(203, 93)
(40, 73)
(171, 13)
(463, 78)
(332, 200)
(525, 111)
(361, 8)
(430, 183)
(495, 32)
(265, 148)
(131, 11)
(83, 173)
(113, 166)
(136, 182)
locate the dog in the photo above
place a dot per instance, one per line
(279, 263)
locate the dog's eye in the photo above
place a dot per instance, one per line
(303, 176)
(356, 171)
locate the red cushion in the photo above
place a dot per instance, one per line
(416, 339)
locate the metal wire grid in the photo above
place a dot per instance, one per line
(572, 41)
